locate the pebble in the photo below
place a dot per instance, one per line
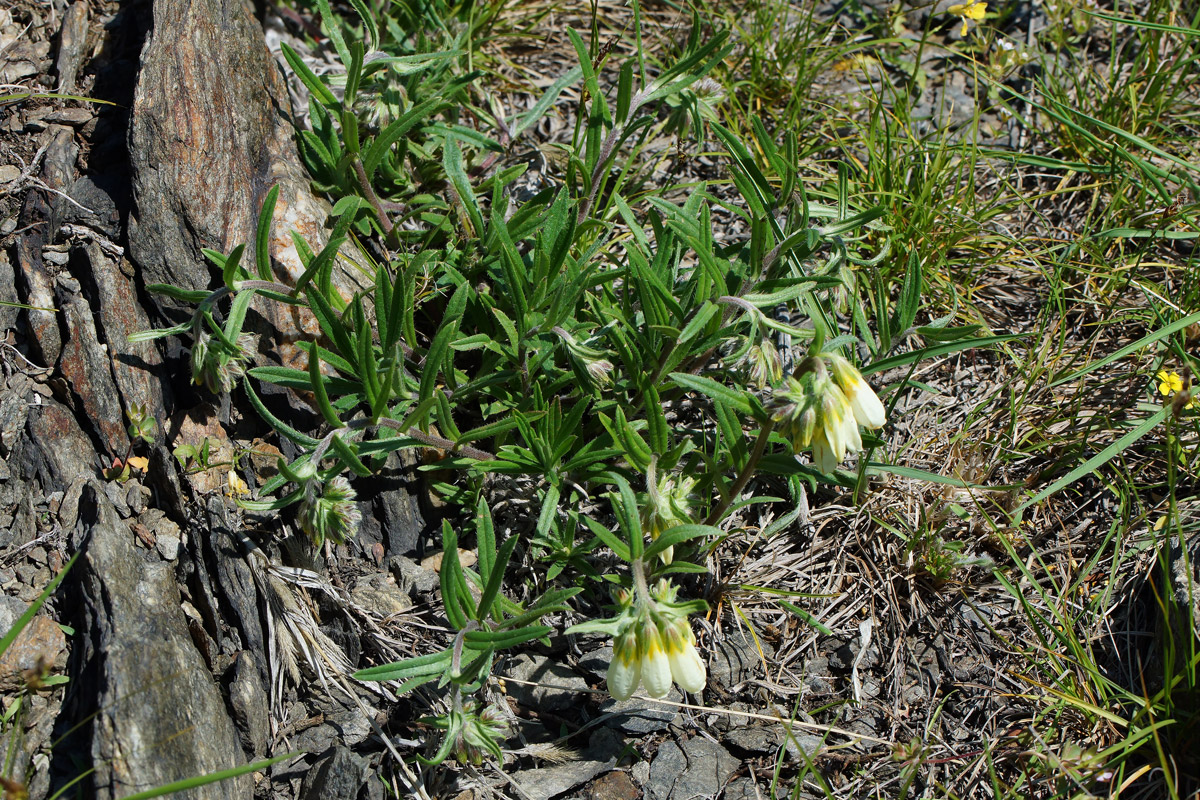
(55, 256)
(542, 670)
(8, 174)
(42, 641)
(700, 768)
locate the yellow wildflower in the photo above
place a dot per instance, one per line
(974, 10)
(1169, 383)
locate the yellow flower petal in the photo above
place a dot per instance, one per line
(1169, 382)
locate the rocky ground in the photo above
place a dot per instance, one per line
(169, 628)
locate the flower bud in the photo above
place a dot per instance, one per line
(332, 514)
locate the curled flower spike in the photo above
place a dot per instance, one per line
(331, 514)
(670, 505)
(216, 365)
(823, 408)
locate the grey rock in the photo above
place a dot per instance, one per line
(745, 789)
(411, 577)
(378, 592)
(116, 495)
(54, 448)
(167, 538)
(338, 777)
(799, 742)
(209, 136)
(248, 699)
(85, 365)
(699, 768)
(168, 546)
(398, 507)
(136, 366)
(176, 728)
(8, 282)
(97, 196)
(734, 660)
(640, 717)
(38, 280)
(755, 739)
(72, 45)
(234, 580)
(601, 754)
(56, 255)
(539, 669)
(10, 609)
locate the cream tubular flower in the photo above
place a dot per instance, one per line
(656, 666)
(868, 410)
(625, 670)
(687, 668)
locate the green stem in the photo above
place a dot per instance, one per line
(640, 589)
(369, 191)
(760, 446)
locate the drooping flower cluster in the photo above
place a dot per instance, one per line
(654, 645)
(670, 505)
(822, 406)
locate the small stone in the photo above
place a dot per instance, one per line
(805, 742)
(8, 226)
(10, 610)
(466, 558)
(615, 785)
(735, 660)
(41, 643)
(37, 555)
(562, 683)
(56, 256)
(8, 174)
(248, 700)
(339, 777)
(378, 592)
(700, 768)
(756, 739)
(744, 789)
(600, 755)
(168, 546)
(66, 281)
(412, 578)
(33, 575)
(136, 496)
(75, 117)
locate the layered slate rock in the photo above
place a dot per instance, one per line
(210, 135)
(160, 716)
